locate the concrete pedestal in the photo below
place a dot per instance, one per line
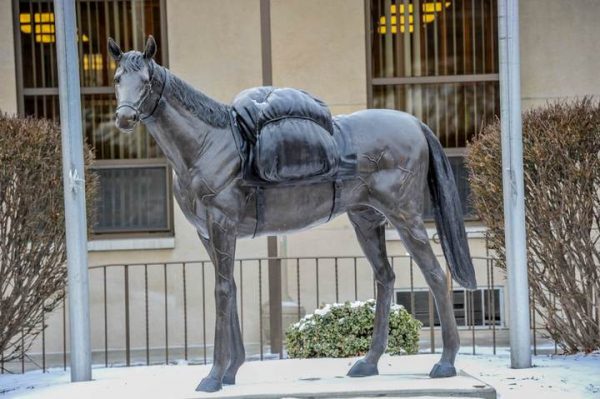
(400, 377)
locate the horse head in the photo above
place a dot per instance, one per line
(133, 83)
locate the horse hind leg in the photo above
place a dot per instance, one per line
(370, 231)
(414, 236)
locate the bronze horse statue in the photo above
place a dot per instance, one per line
(397, 157)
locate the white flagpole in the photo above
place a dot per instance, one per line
(74, 189)
(512, 182)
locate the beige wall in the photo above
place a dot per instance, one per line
(8, 88)
(319, 46)
(560, 54)
(215, 45)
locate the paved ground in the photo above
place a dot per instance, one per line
(551, 377)
(306, 378)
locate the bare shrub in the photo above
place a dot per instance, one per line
(561, 159)
(32, 229)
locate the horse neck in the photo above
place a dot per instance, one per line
(186, 123)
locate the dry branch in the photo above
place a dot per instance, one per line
(561, 159)
(32, 229)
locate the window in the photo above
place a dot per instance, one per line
(438, 61)
(134, 180)
(482, 307)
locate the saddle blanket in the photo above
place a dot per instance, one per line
(289, 136)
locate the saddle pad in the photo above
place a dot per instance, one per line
(288, 134)
(293, 149)
(258, 106)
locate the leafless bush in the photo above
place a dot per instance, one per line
(32, 229)
(561, 156)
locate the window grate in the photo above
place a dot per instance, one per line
(483, 309)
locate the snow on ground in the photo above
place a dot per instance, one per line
(576, 376)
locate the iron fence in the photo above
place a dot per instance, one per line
(161, 313)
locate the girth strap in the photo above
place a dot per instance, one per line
(260, 210)
(337, 194)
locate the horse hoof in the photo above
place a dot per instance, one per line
(442, 370)
(229, 379)
(209, 384)
(363, 369)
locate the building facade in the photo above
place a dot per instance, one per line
(435, 59)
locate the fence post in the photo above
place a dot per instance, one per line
(275, 317)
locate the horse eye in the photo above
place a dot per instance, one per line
(117, 80)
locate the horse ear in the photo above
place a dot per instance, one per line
(114, 49)
(150, 49)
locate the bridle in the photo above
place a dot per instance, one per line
(135, 106)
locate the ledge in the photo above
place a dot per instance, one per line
(128, 244)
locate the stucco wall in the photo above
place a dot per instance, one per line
(319, 46)
(560, 57)
(8, 88)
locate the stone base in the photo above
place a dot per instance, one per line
(400, 377)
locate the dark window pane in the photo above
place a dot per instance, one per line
(132, 199)
(108, 141)
(492, 307)
(459, 307)
(455, 112)
(128, 21)
(468, 306)
(421, 305)
(455, 37)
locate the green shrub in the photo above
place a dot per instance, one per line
(344, 330)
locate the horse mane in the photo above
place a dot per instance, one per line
(199, 104)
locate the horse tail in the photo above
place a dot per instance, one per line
(448, 213)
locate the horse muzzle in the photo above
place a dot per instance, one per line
(126, 119)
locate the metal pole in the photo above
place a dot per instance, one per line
(74, 189)
(275, 317)
(512, 181)
(275, 309)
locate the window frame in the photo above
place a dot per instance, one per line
(23, 92)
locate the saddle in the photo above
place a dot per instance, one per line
(289, 137)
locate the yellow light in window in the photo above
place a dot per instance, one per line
(25, 18)
(429, 11)
(92, 62)
(43, 17)
(45, 38)
(43, 26)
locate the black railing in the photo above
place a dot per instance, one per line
(157, 313)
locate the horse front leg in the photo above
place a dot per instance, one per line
(221, 249)
(238, 353)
